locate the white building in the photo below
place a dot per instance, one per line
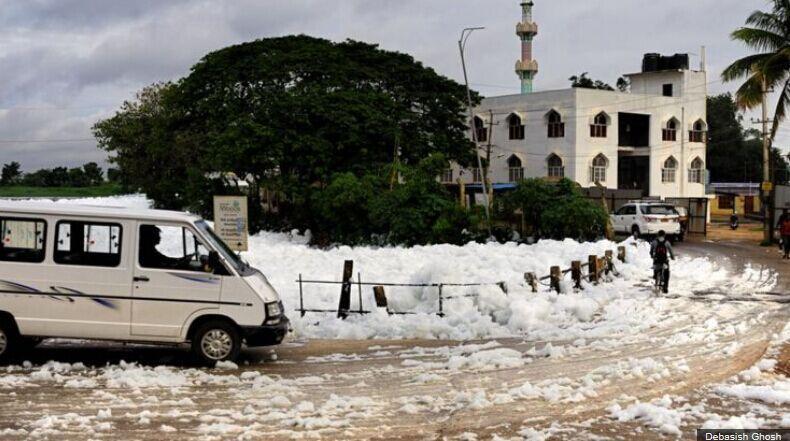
(651, 138)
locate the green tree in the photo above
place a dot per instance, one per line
(149, 148)
(93, 174)
(11, 173)
(289, 115)
(767, 33)
(77, 178)
(584, 82)
(733, 153)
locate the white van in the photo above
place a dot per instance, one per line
(131, 275)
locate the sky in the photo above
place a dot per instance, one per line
(65, 64)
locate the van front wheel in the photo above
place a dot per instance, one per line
(216, 341)
(8, 341)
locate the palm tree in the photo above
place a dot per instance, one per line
(767, 33)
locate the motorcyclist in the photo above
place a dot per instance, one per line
(661, 252)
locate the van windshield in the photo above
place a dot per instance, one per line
(232, 258)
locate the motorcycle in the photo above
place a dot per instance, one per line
(734, 222)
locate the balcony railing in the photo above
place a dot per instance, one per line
(527, 66)
(527, 28)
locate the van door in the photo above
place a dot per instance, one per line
(170, 283)
(89, 282)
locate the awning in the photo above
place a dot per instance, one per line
(496, 187)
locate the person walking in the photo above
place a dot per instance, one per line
(784, 230)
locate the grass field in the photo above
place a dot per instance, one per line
(59, 192)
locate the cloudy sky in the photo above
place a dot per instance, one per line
(64, 64)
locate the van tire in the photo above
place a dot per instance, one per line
(9, 341)
(216, 340)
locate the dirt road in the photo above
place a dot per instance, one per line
(418, 389)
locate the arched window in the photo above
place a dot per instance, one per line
(696, 170)
(598, 169)
(515, 169)
(556, 168)
(698, 132)
(599, 125)
(670, 132)
(480, 130)
(556, 126)
(669, 171)
(516, 127)
(477, 174)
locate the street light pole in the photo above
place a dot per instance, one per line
(461, 46)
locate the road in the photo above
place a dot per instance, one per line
(511, 388)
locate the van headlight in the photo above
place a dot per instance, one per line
(273, 309)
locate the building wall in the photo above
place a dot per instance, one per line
(578, 108)
(739, 203)
(535, 148)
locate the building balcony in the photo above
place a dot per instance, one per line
(527, 28)
(526, 66)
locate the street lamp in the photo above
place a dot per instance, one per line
(461, 46)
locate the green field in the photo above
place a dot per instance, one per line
(59, 192)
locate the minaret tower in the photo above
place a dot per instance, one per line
(526, 68)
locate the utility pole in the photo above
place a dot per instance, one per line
(683, 174)
(767, 184)
(486, 177)
(461, 46)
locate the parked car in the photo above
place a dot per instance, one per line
(128, 275)
(684, 222)
(647, 218)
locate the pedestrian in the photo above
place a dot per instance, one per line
(784, 230)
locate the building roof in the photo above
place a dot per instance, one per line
(73, 210)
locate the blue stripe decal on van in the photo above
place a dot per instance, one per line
(99, 300)
(211, 281)
(12, 288)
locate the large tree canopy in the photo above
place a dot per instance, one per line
(290, 113)
(735, 154)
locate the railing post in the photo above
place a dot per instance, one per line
(359, 286)
(301, 297)
(441, 301)
(381, 298)
(576, 274)
(556, 275)
(532, 281)
(345, 290)
(609, 256)
(592, 262)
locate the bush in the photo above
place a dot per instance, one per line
(414, 210)
(557, 210)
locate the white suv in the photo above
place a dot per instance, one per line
(647, 218)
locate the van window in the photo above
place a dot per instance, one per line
(22, 240)
(667, 210)
(88, 244)
(173, 248)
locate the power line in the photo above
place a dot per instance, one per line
(34, 141)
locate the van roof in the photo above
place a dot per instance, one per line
(32, 208)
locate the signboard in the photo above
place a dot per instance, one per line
(768, 186)
(230, 221)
